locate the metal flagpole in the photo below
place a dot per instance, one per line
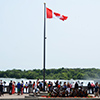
(44, 49)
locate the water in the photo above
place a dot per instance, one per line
(85, 82)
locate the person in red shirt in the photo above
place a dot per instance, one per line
(92, 87)
(33, 85)
(13, 87)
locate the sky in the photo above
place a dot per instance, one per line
(74, 43)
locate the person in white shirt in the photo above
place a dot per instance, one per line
(26, 86)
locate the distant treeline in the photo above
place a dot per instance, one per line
(61, 73)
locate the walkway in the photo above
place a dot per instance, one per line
(13, 96)
(22, 97)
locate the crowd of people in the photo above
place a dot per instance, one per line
(94, 88)
(69, 90)
(56, 89)
(29, 87)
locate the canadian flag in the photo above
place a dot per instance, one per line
(50, 14)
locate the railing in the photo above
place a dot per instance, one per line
(6, 89)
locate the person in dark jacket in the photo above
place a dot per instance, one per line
(76, 85)
(56, 83)
(10, 87)
(89, 87)
(1, 89)
(96, 93)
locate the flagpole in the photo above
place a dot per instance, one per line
(44, 49)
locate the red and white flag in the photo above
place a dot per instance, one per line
(50, 14)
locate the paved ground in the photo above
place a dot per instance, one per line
(6, 96)
(15, 96)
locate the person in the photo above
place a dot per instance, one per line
(56, 83)
(55, 92)
(1, 88)
(36, 88)
(43, 84)
(76, 85)
(22, 87)
(96, 89)
(0, 82)
(18, 88)
(92, 87)
(33, 85)
(73, 85)
(26, 86)
(49, 86)
(68, 88)
(13, 87)
(64, 86)
(46, 85)
(30, 87)
(10, 87)
(99, 88)
(37, 83)
(4, 86)
(89, 87)
(40, 86)
(60, 86)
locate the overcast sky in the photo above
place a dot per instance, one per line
(70, 44)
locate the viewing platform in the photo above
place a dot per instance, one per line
(30, 97)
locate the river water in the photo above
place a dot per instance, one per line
(85, 82)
